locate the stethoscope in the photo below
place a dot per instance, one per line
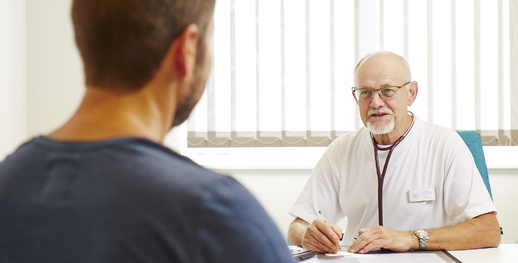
(381, 176)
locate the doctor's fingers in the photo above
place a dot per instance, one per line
(337, 230)
(367, 242)
(333, 232)
(371, 230)
(319, 244)
(315, 237)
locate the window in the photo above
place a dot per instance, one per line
(282, 69)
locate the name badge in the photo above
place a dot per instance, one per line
(421, 195)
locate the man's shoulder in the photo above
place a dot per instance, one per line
(437, 138)
(158, 167)
(124, 162)
(351, 137)
(351, 141)
(436, 132)
(22, 157)
(233, 219)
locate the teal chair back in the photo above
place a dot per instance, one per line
(474, 143)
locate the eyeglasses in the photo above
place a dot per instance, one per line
(385, 93)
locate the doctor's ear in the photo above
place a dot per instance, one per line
(412, 93)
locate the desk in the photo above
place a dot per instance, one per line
(505, 253)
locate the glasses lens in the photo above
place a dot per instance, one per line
(364, 94)
(388, 94)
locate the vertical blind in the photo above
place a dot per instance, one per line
(282, 69)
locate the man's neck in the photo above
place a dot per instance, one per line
(395, 134)
(105, 114)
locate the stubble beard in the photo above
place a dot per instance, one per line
(196, 89)
(187, 104)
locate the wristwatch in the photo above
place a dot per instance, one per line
(423, 238)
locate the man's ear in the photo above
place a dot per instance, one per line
(185, 49)
(412, 92)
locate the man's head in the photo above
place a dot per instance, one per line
(123, 42)
(387, 72)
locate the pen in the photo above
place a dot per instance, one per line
(325, 221)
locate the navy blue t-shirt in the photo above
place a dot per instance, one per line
(127, 200)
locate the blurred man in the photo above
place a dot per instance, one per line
(102, 187)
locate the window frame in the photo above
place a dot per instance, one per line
(291, 158)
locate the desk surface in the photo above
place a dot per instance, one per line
(505, 253)
(502, 254)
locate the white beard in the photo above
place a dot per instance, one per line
(380, 129)
(377, 128)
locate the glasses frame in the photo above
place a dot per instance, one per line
(353, 89)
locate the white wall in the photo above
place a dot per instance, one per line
(40, 69)
(12, 75)
(55, 84)
(505, 196)
(54, 69)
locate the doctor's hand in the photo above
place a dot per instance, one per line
(381, 237)
(321, 237)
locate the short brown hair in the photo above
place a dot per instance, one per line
(123, 42)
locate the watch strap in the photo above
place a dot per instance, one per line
(423, 238)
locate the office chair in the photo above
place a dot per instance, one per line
(474, 143)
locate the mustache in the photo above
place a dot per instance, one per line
(380, 110)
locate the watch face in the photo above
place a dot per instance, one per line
(421, 233)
